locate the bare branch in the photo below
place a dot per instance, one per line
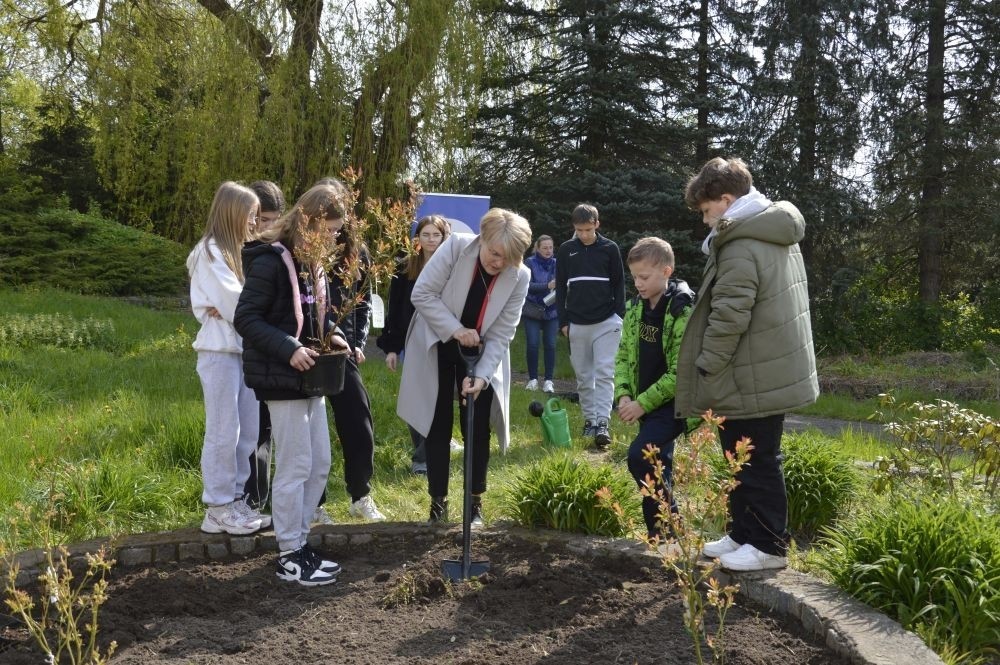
(259, 46)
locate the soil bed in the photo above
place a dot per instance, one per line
(391, 605)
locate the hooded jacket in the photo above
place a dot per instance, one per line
(268, 316)
(679, 298)
(213, 284)
(747, 351)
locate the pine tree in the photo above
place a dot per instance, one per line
(799, 122)
(584, 109)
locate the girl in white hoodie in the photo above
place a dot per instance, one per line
(231, 409)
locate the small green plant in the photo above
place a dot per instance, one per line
(560, 492)
(701, 493)
(62, 614)
(62, 332)
(820, 480)
(932, 563)
(64, 619)
(413, 587)
(933, 440)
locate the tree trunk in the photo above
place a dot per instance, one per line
(807, 108)
(701, 86)
(931, 212)
(807, 113)
(388, 89)
(306, 15)
(259, 46)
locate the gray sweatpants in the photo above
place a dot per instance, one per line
(232, 419)
(301, 466)
(592, 349)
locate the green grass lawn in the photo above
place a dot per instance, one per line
(107, 437)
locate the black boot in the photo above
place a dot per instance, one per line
(477, 511)
(439, 509)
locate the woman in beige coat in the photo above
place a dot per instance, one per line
(469, 295)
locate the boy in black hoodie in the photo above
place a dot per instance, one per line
(590, 296)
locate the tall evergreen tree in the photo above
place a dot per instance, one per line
(584, 109)
(800, 121)
(935, 121)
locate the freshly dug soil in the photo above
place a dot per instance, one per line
(392, 605)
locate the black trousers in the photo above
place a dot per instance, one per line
(660, 428)
(352, 417)
(257, 487)
(758, 507)
(451, 371)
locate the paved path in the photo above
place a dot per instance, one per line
(795, 422)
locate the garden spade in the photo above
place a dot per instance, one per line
(466, 568)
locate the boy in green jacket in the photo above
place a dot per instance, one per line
(645, 366)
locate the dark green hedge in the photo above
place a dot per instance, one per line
(85, 253)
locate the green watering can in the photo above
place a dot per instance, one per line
(555, 422)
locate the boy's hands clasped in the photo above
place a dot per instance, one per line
(630, 410)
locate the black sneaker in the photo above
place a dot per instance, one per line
(439, 510)
(325, 565)
(602, 436)
(588, 428)
(298, 566)
(477, 513)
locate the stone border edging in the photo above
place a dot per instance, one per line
(849, 628)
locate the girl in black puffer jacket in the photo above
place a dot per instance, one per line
(279, 311)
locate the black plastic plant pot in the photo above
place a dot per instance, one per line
(326, 377)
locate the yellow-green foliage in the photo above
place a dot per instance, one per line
(60, 331)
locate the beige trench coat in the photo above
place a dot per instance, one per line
(439, 297)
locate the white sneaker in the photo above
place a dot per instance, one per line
(251, 513)
(717, 548)
(365, 509)
(531, 385)
(547, 387)
(456, 447)
(226, 519)
(748, 557)
(322, 518)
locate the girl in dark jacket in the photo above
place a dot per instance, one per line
(545, 328)
(431, 231)
(352, 413)
(276, 318)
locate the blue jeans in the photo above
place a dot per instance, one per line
(535, 330)
(659, 427)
